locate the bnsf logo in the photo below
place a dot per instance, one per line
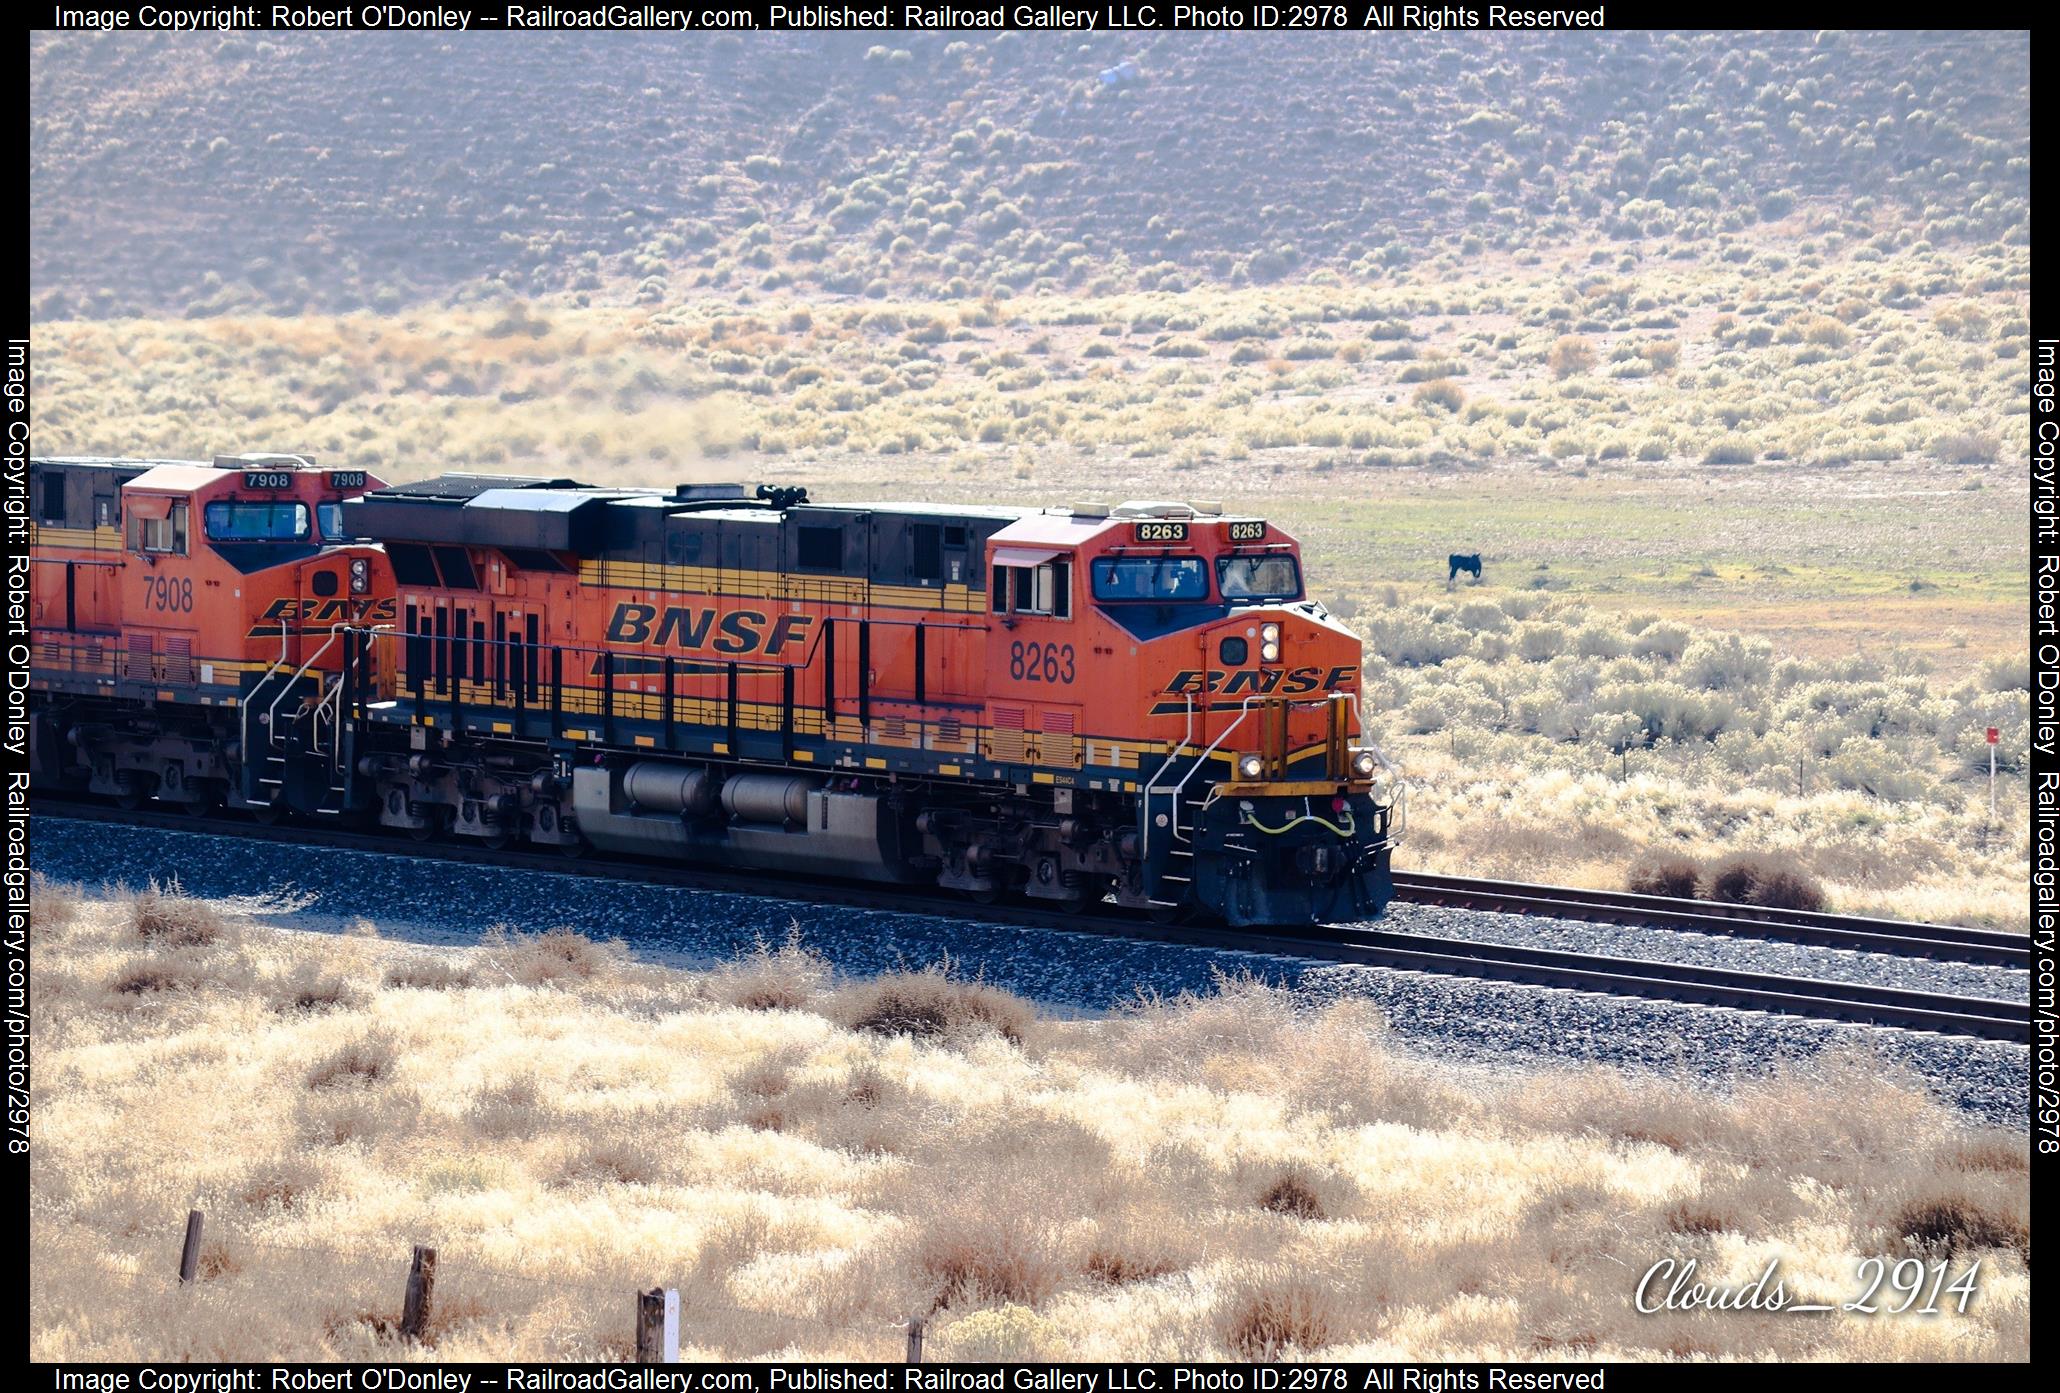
(1260, 682)
(315, 612)
(739, 631)
(329, 611)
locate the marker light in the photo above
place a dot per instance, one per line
(1251, 766)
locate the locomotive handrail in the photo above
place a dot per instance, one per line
(272, 711)
(334, 696)
(285, 634)
(1243, 711)
(1151, 785)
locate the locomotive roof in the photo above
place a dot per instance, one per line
(109, 462)
(939, 510)
(177, 476)
(464, 486)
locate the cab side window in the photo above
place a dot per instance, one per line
(165, 536)
(1044, 590)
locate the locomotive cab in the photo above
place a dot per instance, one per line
(217, 596)
(1263, 802)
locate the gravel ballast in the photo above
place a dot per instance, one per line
(1498, 1024)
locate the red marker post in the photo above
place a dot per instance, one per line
(1993, 736)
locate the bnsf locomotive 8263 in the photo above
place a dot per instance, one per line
(1069, 704)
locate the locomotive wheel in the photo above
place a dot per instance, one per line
(991, 895)
(498, 841)
(426, 833)
(572, 851)
(1093, 890)
(129, 800)
(1173, 913)
(268, 814)
(209, 802)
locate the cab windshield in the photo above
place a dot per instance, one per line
(256, 522)
(330, 516)
(1273, 576)
(1165, 579)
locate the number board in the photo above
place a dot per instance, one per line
(347, 479)
(268, 479)
(1161, 532)
(1246, 531)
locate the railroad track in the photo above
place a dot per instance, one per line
(1901, 938)
(1639, 977)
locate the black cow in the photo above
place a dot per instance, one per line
(1469, 564)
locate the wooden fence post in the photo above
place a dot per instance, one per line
(421, 1290)
(915, 1339)
(189, 1256)
(650, 1326)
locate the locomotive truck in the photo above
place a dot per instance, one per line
(1075, 704)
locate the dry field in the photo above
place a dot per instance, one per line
(810, 1162)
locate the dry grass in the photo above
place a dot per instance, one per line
(1221, 1177)
(772, 979)
(1277, 1313)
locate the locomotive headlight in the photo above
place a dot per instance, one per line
(1364, 763)
(1269, 652)
(1269, 633)
(360, 576)
(1251, 766)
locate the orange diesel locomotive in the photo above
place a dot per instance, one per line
(1068, 704)
(197, 629)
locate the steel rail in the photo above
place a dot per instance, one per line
(1899, 938)
(1638, 977)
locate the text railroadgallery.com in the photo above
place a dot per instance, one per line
(836, 1378)
(2045, 734)
(1132, 14)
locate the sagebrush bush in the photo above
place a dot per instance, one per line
(167, 914)
(1762, 879)
(928, 1003)
(366, 1060)
(1957, 1225)
(1275, 1312)
(53, 905)
(1570, 356)
(1662, 874)
(1293, 1194)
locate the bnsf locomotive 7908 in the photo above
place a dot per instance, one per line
(1073, 704)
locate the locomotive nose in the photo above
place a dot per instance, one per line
(1288, 679)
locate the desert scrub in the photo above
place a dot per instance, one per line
(1866, 782)
(616, 393)
(1229, 1175)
